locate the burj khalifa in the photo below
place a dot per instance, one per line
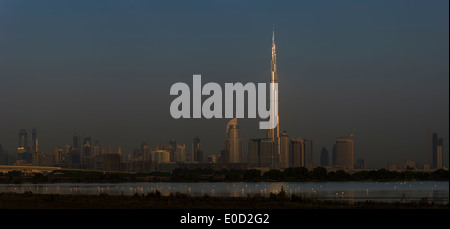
(274, 134)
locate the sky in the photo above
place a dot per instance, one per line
(375, 69)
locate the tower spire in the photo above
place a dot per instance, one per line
(273, 65)
(274, 133)
(273, 35)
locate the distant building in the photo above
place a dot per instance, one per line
(180, 153)
(393, 166)
(212, 159)
(111, 162)
(436, 146)
(23, 139)
(24, 156)
(270, 152)
(43, 159)
(360, 164)
(324, 157)
(296, 153)
(440, 154)
(197, 153)
(76, 141)
(308, 149)
(86, 159)
(284, 150)
(409, 165)
(59, 156)
(261, 153)
(233, 143)
(145, 151)
(34, 146)
(139, 166)
(344, 153)
(172, 149)
(273, 135)
(96, 149)
(160, 156)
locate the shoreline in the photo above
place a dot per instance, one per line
(155, 200)
(200, 182)
(205, 175)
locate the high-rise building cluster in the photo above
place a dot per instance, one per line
(274, 151)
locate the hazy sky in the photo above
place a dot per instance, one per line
(377, 69)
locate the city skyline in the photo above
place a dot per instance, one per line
(339, 75)
(272, 152)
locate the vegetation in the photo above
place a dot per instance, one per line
(299, 174)
(155, 200)
(303, 174)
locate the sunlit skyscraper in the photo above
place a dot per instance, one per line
(233, 143)
(274, 134)
(344, 152)
(296, 153)
(266, 152)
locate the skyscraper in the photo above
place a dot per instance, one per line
(284, 150)
(86, 155)
(274, 134)
(172, 149)
(76, 141)
(23, 150)
(308, 152)
(296, 153)
(197, 153)
(34, 147)
(260, 153)
(23, 138)
(436, 146)
(180, 153)
(344, 152)
(440, 153)
(233, 143)
(265, 152)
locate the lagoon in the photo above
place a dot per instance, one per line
(353, 191)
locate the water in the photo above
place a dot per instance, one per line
(434, 191)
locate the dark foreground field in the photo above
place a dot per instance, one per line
(29, 200)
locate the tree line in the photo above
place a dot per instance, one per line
(303, 174)
(298, 174)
